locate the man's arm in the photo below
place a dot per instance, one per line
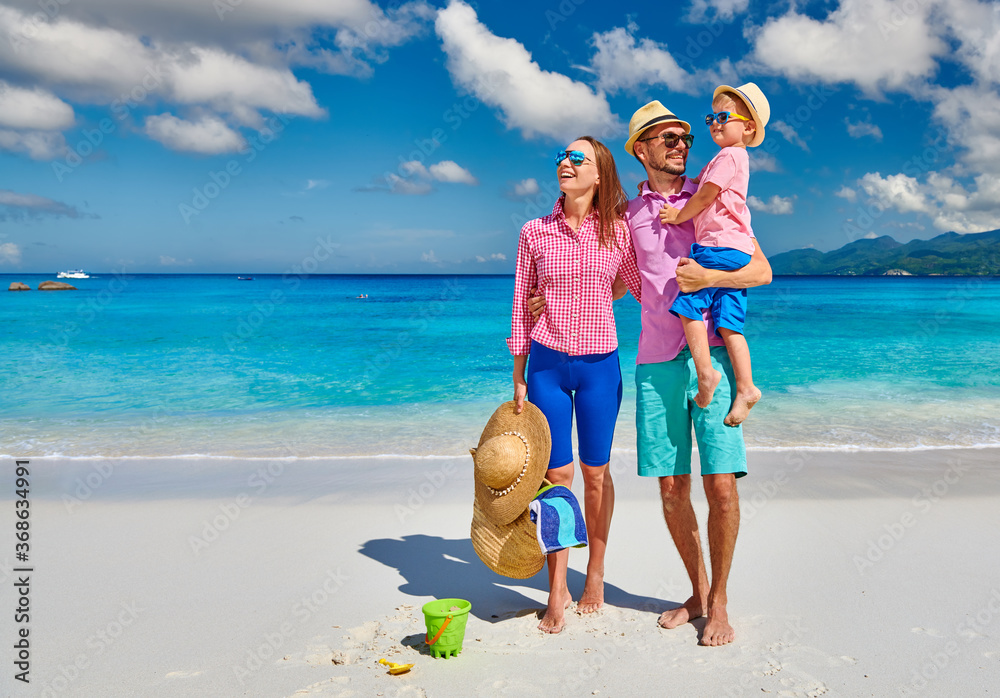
(691, 276)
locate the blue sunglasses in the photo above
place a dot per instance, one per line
(723, 117)
(576, 157)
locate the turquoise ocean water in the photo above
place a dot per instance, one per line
(168, 365)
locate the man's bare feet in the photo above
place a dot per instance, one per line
(554, 621)
(692, 608)
(741, 406)
(593, 594)
(717, 631)
(706, 388)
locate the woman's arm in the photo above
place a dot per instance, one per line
(692, 277)
(520, 385)
(525, 277)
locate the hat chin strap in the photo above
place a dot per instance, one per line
(524, 468)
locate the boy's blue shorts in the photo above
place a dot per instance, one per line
(728, 305)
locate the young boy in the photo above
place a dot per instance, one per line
(723, 240)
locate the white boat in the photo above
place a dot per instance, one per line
(73, 274)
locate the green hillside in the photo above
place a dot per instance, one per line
(951, 254)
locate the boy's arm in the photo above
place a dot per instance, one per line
(701, 200)
(692, 277)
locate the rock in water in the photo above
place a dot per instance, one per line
(55, 286)
(18, 286)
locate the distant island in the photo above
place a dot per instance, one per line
(951, 254)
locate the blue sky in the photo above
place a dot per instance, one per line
(350, 136)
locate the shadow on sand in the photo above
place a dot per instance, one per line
(449, 568)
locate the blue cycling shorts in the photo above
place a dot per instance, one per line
(592, 385)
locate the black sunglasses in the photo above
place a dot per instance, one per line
(672, 139)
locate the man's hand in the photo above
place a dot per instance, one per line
(536, 304)
(691, 276)
(668, 214)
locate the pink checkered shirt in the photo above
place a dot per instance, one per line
(575, 275)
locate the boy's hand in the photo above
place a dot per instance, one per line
(668, 214)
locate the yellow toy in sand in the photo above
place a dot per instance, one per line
(396, 669)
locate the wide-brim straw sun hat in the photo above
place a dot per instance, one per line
(647, 116)
(510, 463)
(510, 550)
(760, 108)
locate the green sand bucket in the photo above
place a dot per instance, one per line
(445, 627)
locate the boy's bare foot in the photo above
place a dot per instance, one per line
(741, 406)
(593, 594)
(717, 631)
(692, 608)
(706, 388)
(554, 621)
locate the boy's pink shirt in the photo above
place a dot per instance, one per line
(726, 221)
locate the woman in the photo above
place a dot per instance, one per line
(573, 256)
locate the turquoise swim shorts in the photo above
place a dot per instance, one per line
(665, 412)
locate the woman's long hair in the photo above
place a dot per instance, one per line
(610, 199)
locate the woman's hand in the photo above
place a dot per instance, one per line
(520, 385)
(668, 214)
(520, 392)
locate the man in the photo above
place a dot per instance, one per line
(666, 382)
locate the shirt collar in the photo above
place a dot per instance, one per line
(687, 190)
(559, 214)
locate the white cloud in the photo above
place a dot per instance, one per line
(32, 206)
(67, 58)
(209, 135)
(763, 162)
(846, 192)
(949, 205)
(971, 116)
(408, 187)
(862, 129)
(526, 187)
(316, 184)
(39, 145)
(859, 42)
(724, 10)
(501, 73)
(450, 171)
(621, 63)
(790, 133)
(343, 37)
(429, 257)
(166, 261)
(10, 253)
(444, 171)
(495, 257)
(35, 109)
(776, 205)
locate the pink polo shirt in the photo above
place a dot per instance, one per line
(726, 221)
(657, 249)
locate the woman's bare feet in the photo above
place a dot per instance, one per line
(707, 383)
(692, 608)
(717, 631)
(741, 406)
(593, 594)
(554, 619)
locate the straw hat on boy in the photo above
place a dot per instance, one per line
(760, 108)
(647, 116)
(510, 463)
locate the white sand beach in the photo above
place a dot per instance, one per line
(865, 573)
